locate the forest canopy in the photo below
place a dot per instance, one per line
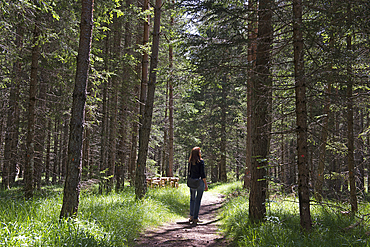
(274, 92)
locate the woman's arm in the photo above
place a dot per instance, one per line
(205, 184)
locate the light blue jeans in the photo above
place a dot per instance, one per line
(195, 198)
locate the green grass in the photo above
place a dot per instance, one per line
(115, 219)
(282, 226)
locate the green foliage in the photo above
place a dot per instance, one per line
(282, 225)
(102, 220)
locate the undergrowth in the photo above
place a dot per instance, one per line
(331, 226)
(117, 219)
(113, 219)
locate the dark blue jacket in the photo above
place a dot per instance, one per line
(197, 170)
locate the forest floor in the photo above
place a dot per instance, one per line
(180, 233)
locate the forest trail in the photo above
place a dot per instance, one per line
(181, 233)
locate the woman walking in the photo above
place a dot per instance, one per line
(196, 164)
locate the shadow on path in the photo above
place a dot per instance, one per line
(182, 233)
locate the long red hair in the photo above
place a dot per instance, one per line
(195, 155)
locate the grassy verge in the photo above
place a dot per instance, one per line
(282, 227)
(115, 219)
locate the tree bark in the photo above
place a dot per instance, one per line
(223, 144)
(55, 175)
(104, 129)
(122, 142)
(144, 132)
(165, 167)
(48, 144)
(252, 49)
(114, 102)
(86, 149)
(72, 185)
(145, 63)
(40, 135)
(350, 137)
(260, 126)
(30, 145)
(324, 137)
(170, 105)
(170, 129)
(63, 149)
(12, 125)
(301, 115)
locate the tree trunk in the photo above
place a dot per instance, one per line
(104, 129)
(122, 152)
(48, 145)
(223, 174)
(145, 63)
(170, 105)
(12, 126)
(170, 130)
(144, 132)
(40, 135)
(301, 115)
(261, 95)
(63, 149)
(114, 102)
(72, 185)
(140, 92)
(165, 168)
(29, 161)
(86, 149)
(350, 137)
(322, 155)
(55, 175)
(134, 135)
(252, 51)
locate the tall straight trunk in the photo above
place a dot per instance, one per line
(86, 150)
(301, 115)
(40, 135)
(138, 88)
(134, 135)
(223, 174)
(350, 137)
(55, 176)
(114, 102)
(324, 133)
(322, 155)
(281, 169)
(146, 123)
(48, 147)
(64, 147)
(170, 130)
(252, 49)
(104, 130)
(12, 126)
(29, 161)
(360, 154)
(260, 131)
(122, 149)
(122, 152)
(71, 192)
(170, 105)
(145, 63)
(165, 167)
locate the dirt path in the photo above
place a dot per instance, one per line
(182, 234)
